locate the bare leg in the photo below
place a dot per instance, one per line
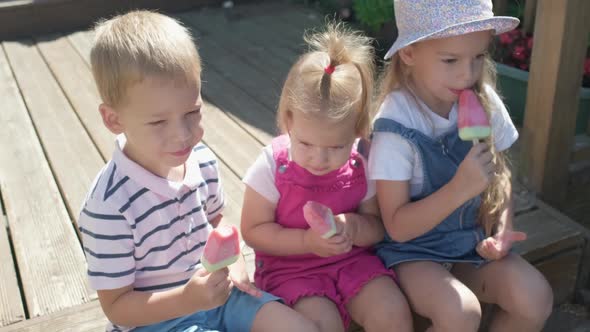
(274, 316)
(381, 306)
(322, 311)
(522, 293)
(437, 295)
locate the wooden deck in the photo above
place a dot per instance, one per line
(53, 143)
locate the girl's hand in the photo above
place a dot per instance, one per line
(346, 226)
(206, 290)
(475, 171)
(335, 245)
(239, 277)
(497, 246)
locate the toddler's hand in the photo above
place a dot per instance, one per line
(476, 170)
(205, 291)
(335, 245)
(239, 277)
(345, 227)
(497, 246)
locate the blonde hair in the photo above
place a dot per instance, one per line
(129, 47)
(395, 76)
(348, 90)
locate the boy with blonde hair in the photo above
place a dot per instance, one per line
(148, 214)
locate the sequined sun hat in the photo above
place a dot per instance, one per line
(419, 20)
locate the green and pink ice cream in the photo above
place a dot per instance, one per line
(320, 219)
(473, 122)
(222, 248)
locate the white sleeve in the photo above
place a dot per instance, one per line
(391, 157)
(504, 132)
(261, 176)
(108, 245)
(371, 184)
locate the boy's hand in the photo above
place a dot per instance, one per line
(239, 277)
(475, 171)
(205, 291)
(497, 246)
(335, 245)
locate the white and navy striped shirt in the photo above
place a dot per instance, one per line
(143, 230)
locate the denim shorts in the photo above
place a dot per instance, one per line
(237, 314)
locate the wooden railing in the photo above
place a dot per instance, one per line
(561, 29)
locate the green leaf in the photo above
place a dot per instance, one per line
(373, 13)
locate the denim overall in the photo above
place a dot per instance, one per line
(454, 239)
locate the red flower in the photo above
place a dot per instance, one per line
(519, 53)
(514, 49)
(505, 39)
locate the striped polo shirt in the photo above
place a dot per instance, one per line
(143, 230)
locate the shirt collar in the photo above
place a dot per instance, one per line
(155, 183)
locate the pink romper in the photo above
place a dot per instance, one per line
(338, 278)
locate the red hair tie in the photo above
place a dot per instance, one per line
(330, 69)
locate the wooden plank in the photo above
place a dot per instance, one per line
(49, 257)
(87, 317)
(72, 155)
(248, 112)
(11, 305)
(528, 22)
(233, 189)
(254, 82)
(561, 271)
(229, 141)
(82, 42)
(584, 275)
(553, 94)
(292, 23)
(76, 80)
(546, 235)
(259, 37)
(230, 35)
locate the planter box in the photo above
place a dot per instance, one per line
(512, 85)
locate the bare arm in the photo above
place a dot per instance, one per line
(367, 228)
(405, 220)
(204, 291)
(261, 232)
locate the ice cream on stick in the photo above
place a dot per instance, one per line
(473, 122)
(320, 219)
(222, 248)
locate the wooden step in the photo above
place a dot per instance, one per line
(87, 317)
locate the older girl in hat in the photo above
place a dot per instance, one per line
(446, 203)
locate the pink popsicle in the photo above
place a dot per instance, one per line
(320, 219)
(222, 248)
(472, 119)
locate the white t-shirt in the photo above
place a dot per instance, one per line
(261, 176)
(394, 158)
